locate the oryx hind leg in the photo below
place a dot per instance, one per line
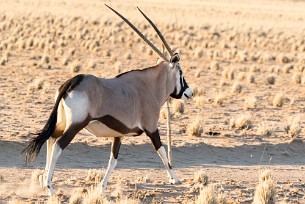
(60, 126)
(115, 147)
(57, 149)
(75, 120)
(155, 138)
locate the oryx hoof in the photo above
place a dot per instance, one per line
(49, 190)
(174, 181)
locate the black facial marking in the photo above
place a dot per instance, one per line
(115, 147)
(155, 138)
(183, 85)
(118, 126)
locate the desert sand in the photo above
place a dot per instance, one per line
(242, 58)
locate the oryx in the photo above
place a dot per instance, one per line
(126, 105)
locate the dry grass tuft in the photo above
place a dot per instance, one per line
(219, 99)
(91, 64)
(94, 176)
(236, 87)
(201, 177)
(177, 107)
(265, 191)
(242, 122)
(65, 61)
(199, 101)
(278, 100)
(195, 128)
(250, 102)
(75, 67)
(250, 78)
(265, 129)
(77, 196)
(118, 67)
(271, 79)
(210, 195)
(293, 129)
(197, 91)
(36, 174)
(207, 195)
(296, 77)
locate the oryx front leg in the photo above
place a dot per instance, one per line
(155, 138)
(115, 147)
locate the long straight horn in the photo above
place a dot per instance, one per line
(140, 34)
(159, 33)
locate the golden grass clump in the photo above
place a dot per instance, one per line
(283, 59)
(198, 53)
(199, 101)
(236, 87)
(177, 107)
(201, 177)
(214, 66)
(76, 198)
(270, 79)
(36, 174)
(59, 52)
(71, 51)
(65, 61)
(91, 64)
(118, 67)
(265, 190)
(242, 122)
(265, 128)
(197, 91)
(250, 102)
(45, 59)
(94, 176)
(195, 128)
(241, 76)
(210, 195)
(219, 99)
(75, 67)
(127, 56)
(296, 77)
(250, 78)
(37, 84)
(228, 73)
(293, 128)
(278, 100)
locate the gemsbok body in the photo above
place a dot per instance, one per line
(126, 105)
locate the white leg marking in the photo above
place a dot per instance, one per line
(50, 143)
(111, 165)
(56, 152)
(172, 176)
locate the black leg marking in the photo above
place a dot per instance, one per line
(115, 147)
(70, 133)
(155, 138)
(170, 167)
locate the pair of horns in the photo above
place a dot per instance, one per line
(144, 38)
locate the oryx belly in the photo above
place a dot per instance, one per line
(100, 130)
(108, 126)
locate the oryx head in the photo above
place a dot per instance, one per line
(182, 90)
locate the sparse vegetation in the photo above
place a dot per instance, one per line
(265, 190)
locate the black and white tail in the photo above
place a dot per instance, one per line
(34, 146)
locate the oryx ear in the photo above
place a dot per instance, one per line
(175, 58)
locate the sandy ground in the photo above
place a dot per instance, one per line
(214, 38)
